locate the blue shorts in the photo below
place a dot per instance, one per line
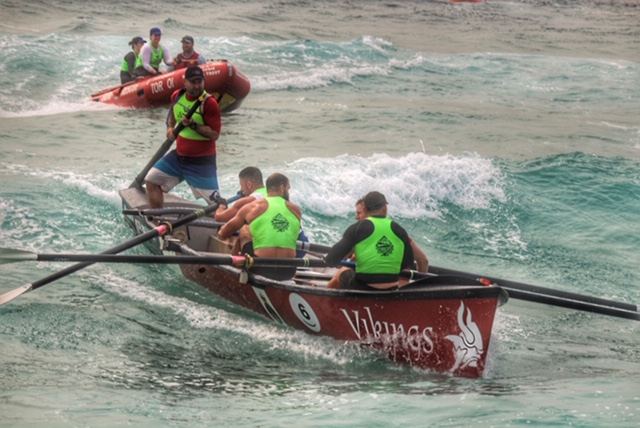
(200, 173)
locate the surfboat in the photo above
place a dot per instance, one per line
(434, 323)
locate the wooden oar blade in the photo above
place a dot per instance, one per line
(7, 297)
(11, 255)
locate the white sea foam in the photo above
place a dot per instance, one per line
(86, 183)
(207, 317)
(415, 185)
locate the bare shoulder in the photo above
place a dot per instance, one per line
(254, 209)
(294, 209)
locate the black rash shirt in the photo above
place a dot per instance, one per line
(358, 232)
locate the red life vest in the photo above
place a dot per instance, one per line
(183, 62)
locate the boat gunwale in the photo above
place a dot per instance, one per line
(430, 292)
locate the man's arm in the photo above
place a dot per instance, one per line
(245, 215)
(294, 209)
(233, 225)
(145, 53)
(131, 63)
(171, 118)
(342, 247)
(422, 261)
(227, 213)
(166, 56)
(212, 120)
(407, 258)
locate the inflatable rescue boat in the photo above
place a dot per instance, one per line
(222, 80)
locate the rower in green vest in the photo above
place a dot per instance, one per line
(381, 246)
(132, 60)
(274, 223)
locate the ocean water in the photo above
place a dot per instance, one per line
(504, 134)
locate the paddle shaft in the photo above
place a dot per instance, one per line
(165, 146)
(535, 289)
(229, 260)
(579, 305)
(532, 293)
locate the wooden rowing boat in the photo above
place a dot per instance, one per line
(431, 324)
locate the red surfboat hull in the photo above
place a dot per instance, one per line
(222, 80)
(442, 328)
(428, 324)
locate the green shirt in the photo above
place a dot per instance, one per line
(382, 251)
(182, 107)
(276, 227)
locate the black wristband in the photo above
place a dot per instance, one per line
(193, 126)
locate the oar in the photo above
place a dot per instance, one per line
(512, 286)
(104, 91)
(528, 292)
(159, 230)
(313, 248)
(8, 255)
(537, 294)
(165, 146)
(579, 304)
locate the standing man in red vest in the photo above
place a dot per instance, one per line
(194, 158)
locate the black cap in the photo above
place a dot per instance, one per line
(194, 72)
(137, 40)
(187, 39)
(373, 201)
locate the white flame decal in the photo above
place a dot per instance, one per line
(468, 344)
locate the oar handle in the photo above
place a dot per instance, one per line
(314, 248)
(165, 146)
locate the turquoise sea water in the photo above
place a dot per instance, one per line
(505, 136)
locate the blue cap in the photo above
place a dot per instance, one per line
(154, 31)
